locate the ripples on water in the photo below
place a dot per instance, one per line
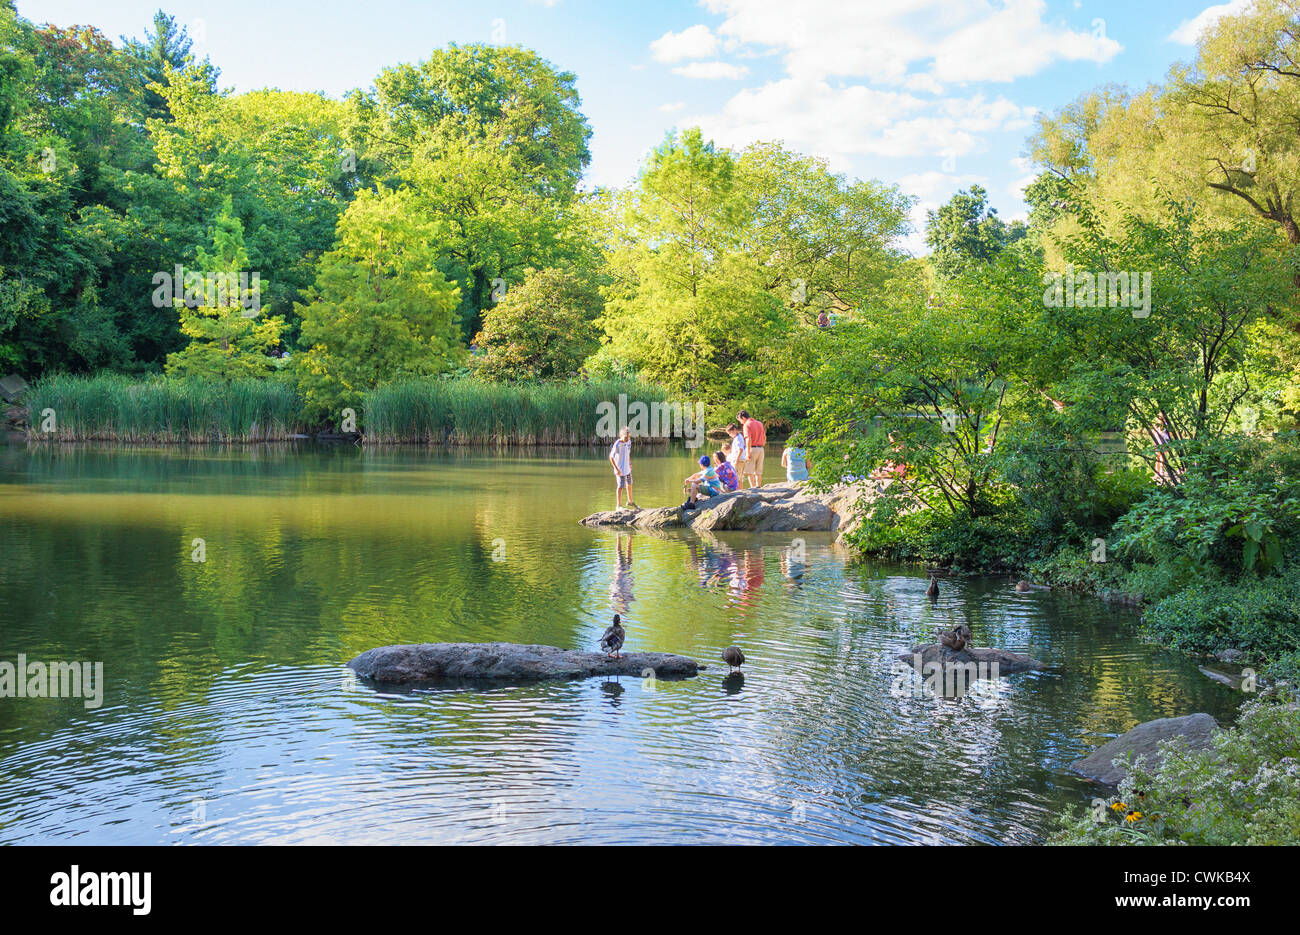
(229, 718)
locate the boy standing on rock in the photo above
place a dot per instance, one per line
(620, 455)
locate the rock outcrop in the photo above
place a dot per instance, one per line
(1144, 741)
(779, 507)
(507, 662)
(996, 662)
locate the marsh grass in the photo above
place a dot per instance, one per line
(112, 407)
(468, 411)
(460, 411)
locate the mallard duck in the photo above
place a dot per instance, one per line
(957, 639)
(733, 657)
(611, 641)
(933, 589)
(1022, 586)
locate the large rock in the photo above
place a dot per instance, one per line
(778, 507)
(1144, 741)
(997, 662)
(436, 662)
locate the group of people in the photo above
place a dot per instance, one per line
(737, 461)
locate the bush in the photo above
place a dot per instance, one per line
(1259, 617)
(1243, 789)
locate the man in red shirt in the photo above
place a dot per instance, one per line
(755, 439)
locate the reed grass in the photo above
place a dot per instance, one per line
(460, 411)
(113, 407)
(469, 411)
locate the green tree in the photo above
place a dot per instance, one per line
(165, 50)
(380, 308)
(544, 327)
(966, 231)
(225, 342)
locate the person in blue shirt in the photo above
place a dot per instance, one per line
(795, 461)
(703, 483)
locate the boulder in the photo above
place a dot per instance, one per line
(507, 662)
(997, 662)
(12, 388)
(1144, 741)
(780, 507)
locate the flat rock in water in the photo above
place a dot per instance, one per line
(780, 507)
(1144, 741)
(998, 662)
(435, 662)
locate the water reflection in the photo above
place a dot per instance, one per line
(225, 686)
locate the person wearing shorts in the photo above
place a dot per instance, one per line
(620, 455)
(755, 438)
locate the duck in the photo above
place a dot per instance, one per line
(956, 639)
(733, 657)
(611, 641)
(933, 589)
(1022, 586)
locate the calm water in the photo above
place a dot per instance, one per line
(228, 716)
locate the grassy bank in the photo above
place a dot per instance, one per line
(462, 411)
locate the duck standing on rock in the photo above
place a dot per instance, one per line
(956, 639)
(733, 657)
(611, 641)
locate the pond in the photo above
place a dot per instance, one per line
(223, 590)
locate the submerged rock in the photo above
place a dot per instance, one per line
(435, 662)
(780, 507)
(1144, 741)
(996, 662)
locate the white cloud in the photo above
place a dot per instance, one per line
(841, 122)
(696, 42)
(711, 70)
(891, 41)
(1190, 30)
(672, 106)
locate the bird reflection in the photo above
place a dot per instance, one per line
(733, 683)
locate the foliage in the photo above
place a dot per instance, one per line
(380, 309)
(225, 341)
(1261, 618)
(1236, 512)
(965, 231)
(545, 327)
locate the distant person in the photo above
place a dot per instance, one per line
(755, 438)
(795, 461)
(737, 451)
(620, 456)
(726, 473)
(823, 320)
(703, 482)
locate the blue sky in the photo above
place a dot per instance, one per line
(933, 95)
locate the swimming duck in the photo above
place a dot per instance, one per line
(733, 657)
(933, 589)
(611, 641)
(1022, 586)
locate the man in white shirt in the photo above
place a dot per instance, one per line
(620, 455)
